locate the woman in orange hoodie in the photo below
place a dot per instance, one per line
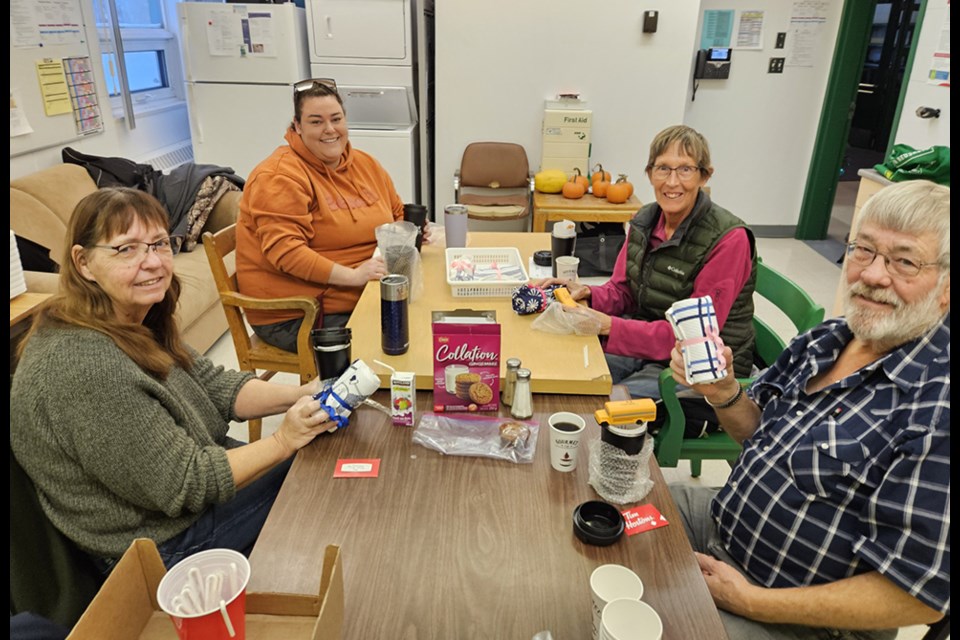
(308, 215)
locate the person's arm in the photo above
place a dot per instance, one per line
(865, 601)
(302, 423)
(738, 413)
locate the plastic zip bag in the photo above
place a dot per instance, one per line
(483, 436)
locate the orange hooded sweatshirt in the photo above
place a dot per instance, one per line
(298, 217)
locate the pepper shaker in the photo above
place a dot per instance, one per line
(522, 407)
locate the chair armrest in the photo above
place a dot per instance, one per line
(531, 181)
(456, 185)
(309, 306)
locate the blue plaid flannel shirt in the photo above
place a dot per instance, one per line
(852, 478)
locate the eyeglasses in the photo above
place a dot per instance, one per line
(133, 252)
(864, 256)
(686, 172)
(307, 85)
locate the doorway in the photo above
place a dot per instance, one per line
(884, 66)
(860, 109)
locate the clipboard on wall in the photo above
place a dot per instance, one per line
(53, 87)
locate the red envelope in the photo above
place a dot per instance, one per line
(347, 468)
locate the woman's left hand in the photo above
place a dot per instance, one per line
(426, 232)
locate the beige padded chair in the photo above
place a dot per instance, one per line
(494, 181)
(252, 352)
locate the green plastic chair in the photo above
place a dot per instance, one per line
(669, 444)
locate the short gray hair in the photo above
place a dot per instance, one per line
(914, 207)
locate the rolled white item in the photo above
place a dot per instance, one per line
(349, 391)
(564, 229)
(694, 322)
(195, 599)
(211, 593)
(234, 579)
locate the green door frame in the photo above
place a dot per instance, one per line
(839, 102)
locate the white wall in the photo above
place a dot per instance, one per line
(153, 132)
(761, 126)
(917, 132)
(498, 60)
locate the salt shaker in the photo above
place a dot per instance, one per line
(522, 407)
(510, 381)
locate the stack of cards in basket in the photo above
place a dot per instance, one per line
(694, 323)
(466, 360)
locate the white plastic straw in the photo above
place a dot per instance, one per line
(385, 366)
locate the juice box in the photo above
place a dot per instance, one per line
(466, 360)
(403, 398)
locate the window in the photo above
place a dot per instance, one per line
(150, 52)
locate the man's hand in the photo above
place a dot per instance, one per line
(730, 590)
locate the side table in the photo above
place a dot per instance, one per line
(550, 207)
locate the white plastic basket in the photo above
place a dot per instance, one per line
(483, 258)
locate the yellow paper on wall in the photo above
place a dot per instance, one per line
(53, 86)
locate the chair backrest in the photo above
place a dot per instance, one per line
(219, 246)
(487, 163)
(793, 301)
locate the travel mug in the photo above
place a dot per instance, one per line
(394, 314)
(417, 214)
(331, 351)
(455, 225)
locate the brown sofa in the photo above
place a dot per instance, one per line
(41, 205)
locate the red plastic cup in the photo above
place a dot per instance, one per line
(205, 595)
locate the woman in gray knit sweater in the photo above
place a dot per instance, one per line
(120, 425)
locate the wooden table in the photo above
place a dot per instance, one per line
(556, 361)
(550, 207)
(441, 547)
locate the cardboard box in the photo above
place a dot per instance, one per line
(566, 150)
(566, 134)
(126, 606)
(403, 398)
(466, 360)
(567, 118)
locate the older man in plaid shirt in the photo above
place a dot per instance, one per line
(835, 521)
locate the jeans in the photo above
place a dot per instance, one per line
(641, 377)
(694, 505)
(283, 335)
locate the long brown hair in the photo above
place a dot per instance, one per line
(156, 344)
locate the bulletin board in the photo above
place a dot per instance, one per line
(53, 91)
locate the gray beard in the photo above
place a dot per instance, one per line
(885, 331)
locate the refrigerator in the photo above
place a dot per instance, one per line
(240, 63)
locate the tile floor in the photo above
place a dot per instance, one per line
(817, 274)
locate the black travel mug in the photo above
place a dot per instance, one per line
(417, 214)
(331, 351)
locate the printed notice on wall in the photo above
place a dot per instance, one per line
(83, 95)
(261, 40)
(51, 22)
(940, 65)
(224, 31)
(717, 28)
(19, 125)
(53, 87)
(750, 30)
(807, 22)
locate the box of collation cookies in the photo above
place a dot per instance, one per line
(466, 360)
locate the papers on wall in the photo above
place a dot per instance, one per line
(750, 30)
(717, 28)
(53, 86)
(807, 21)
(83, 95)
(940, 65)
(19, 125)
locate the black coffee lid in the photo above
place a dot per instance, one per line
(597, 523)
(543, 258)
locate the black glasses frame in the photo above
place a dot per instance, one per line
(310, 83)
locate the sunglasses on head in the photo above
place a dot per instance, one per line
(306, 85)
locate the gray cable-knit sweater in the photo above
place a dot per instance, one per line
(114, 453)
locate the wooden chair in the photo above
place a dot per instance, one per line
(252, 352)
(670, 445)
(494, 181)
(939, 630)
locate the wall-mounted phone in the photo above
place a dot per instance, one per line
(712, 64)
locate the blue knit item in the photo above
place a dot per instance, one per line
(331, 409)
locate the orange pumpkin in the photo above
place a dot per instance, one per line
(600, 188)
(619, 192)
(574, 189)
(623, 178)
(580, 179)
(600, 174)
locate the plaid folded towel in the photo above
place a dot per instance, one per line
(694, 323)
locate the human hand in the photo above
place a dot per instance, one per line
(427, 231)
(587, 322)
(372, 269)
(730, 590)
(577, 291)
(716, 392)
(301, 424)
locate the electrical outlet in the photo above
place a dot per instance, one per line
(781, 39)
(776, 65)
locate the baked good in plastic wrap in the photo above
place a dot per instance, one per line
(487, 437)
(617, 476)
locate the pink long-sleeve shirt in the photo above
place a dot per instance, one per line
(723, 275)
